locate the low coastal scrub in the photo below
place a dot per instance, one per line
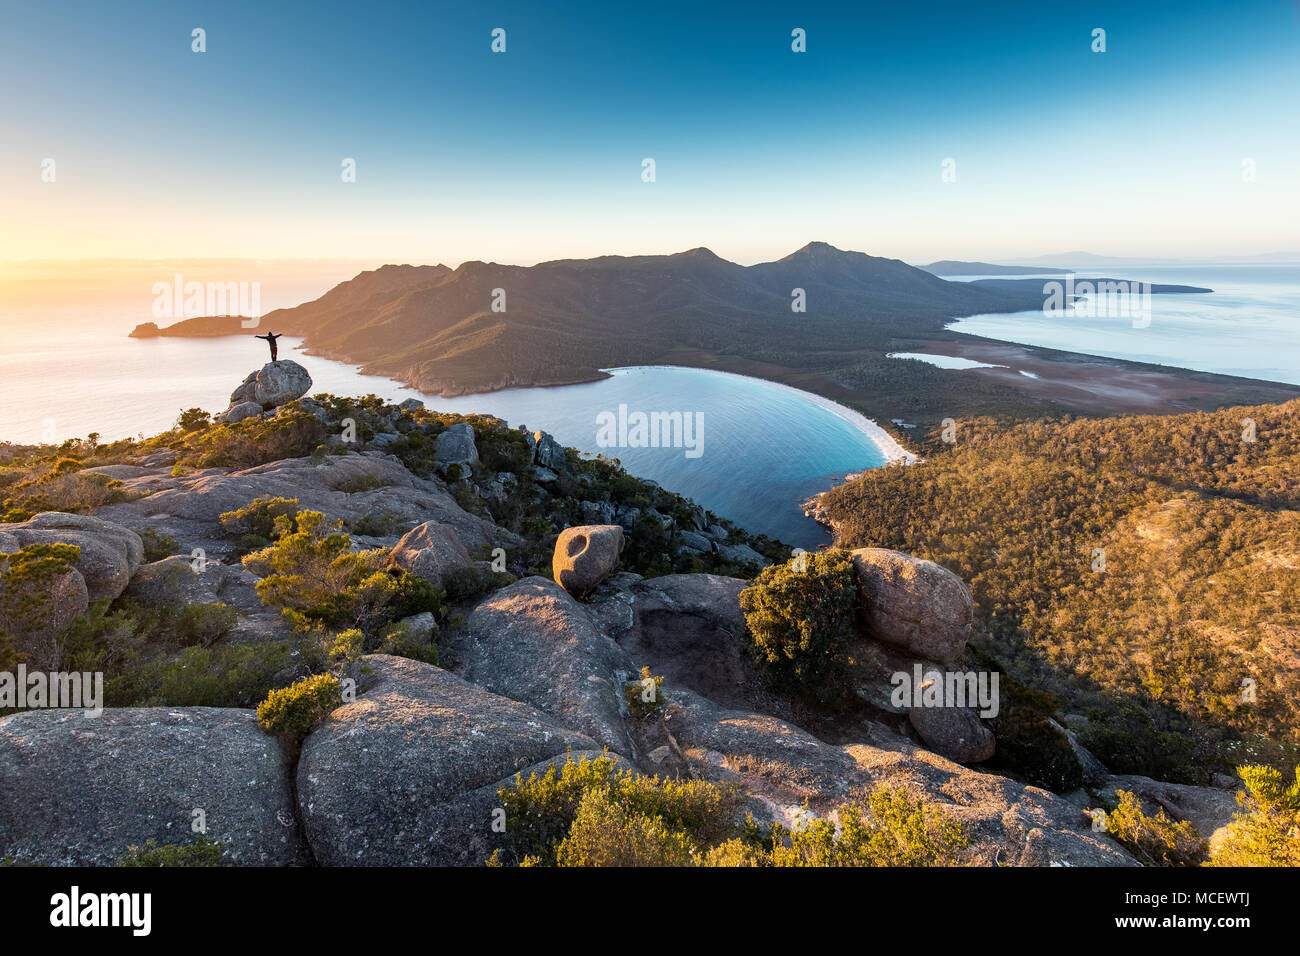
(173, 656)
(318, 582)
(800, 618)
(1267, 830)
(154, 854)
(1154, 840)
(589, 813)
(1141, 569)
(291, 712)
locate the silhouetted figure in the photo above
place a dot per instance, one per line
(270, 338)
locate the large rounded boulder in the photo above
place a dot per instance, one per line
(456, 446)
(914, 604)
(585, 556)
(78, 790)
(431, 551)
(408, 773)
(274, 384)
(955, 732)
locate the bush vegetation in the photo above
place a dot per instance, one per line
(291, 712)
(801, 622)
(1267, 830)
(1156, 841)
(202, 852)
(1200, 586)
(590, 813)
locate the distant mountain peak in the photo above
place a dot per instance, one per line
(817, 248)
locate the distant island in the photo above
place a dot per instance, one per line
(1099, 284)
(956, 267)
(205, 326)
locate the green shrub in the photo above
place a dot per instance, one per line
(895, 829)
(644, 697)
(359, 483)
(291, 712)
(1266, 832)
(193, 420)
(219, 676)
(606, 833)
(800, 623)
(473, 581)
(314, 577)
(158, 546)
(1156, 841)
(400, 643)
(541, 811)
(265, 518)
(153, 854)
(253, 441)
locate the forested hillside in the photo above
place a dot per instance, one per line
(1141, 568)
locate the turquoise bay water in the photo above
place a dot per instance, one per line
(764, 449)
(1249, 325)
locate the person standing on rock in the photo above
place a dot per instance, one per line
(270, 338)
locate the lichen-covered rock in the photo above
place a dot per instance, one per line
(177, 580)
(914, 604)
(34, 621)
(431, 551)
(239, 412)
(548, 453)
(455, 446)
(407, 775)
(783, 769)
(532, 642)
(110, 553)
(79, 791)
(585, 556)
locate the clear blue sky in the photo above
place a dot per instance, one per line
(536, 153)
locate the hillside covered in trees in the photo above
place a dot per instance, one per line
(1144, 570)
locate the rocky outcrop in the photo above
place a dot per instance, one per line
(240, 411)
(407, 775)
(455, 446)
(955, 732)
(34, 622)
(782, 769)
(189, 507)
(548, 453)
(430, 551)
(534, 643)
(914, 604)
(176, 581)
(79, 791)
(274, 384)
(110, 553)
(585, 556)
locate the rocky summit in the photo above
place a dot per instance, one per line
(448, 577)
(266, 389)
